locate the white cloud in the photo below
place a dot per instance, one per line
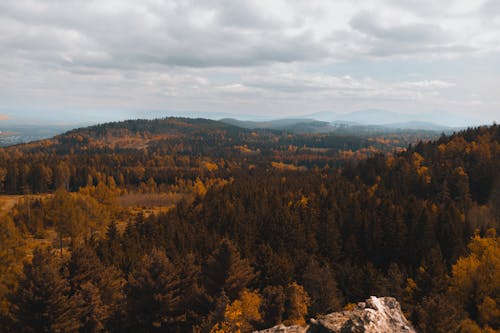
(426, 84)
(216, 54)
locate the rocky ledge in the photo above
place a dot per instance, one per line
(375, 315)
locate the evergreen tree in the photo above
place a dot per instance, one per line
(42, 302)
(194, 302)
(100, 287)
(226, 270)
(110, 250)
(273, 305)
(320, 285)
(437, 314)
(154, 294)
(296, 305)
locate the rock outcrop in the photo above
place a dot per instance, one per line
(375, 315)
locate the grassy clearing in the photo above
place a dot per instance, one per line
(7, 202)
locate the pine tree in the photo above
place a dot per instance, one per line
(273, 305)
(42, 302)
(154, 294)
(320, 284)
(100, 287)
(274, 269)
(226, 270)
(296, 305)
(110, 250)
(194, 301)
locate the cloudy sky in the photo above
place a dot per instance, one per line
(85, 60)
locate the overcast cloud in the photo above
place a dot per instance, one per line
(276, 58)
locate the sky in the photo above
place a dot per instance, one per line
(64, 61)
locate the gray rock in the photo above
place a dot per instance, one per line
(285, 329)
(375, 315)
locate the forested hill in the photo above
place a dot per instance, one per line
(183, 237)
(182, 127)
(161, 150)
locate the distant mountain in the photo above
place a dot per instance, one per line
(419, 125)
(423, 120)
(296, 125)
(362, 117)
(375, 117)
(301, 125)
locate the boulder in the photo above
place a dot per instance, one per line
(375, 315)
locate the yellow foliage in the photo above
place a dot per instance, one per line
(349, 306)
(199, 187)
(417, 160)
(210, 166)
(284, 166)
(460, 171)
(411, 285)
(478, 274)
(240, 314)
(422, 170)
(303, 201)
(371, 191)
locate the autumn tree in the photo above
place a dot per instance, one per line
(475, 283)
(11, 254)
(242, 315)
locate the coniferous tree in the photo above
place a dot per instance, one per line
(437, 314)
(321, 286)
(110, 250)
(42, 302)
(226, 270)
(296, 304)
(194, 301)
(274, 299)
(101, 288)
(274, 269)
(154, 294)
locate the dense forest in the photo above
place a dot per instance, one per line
(180, 225)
